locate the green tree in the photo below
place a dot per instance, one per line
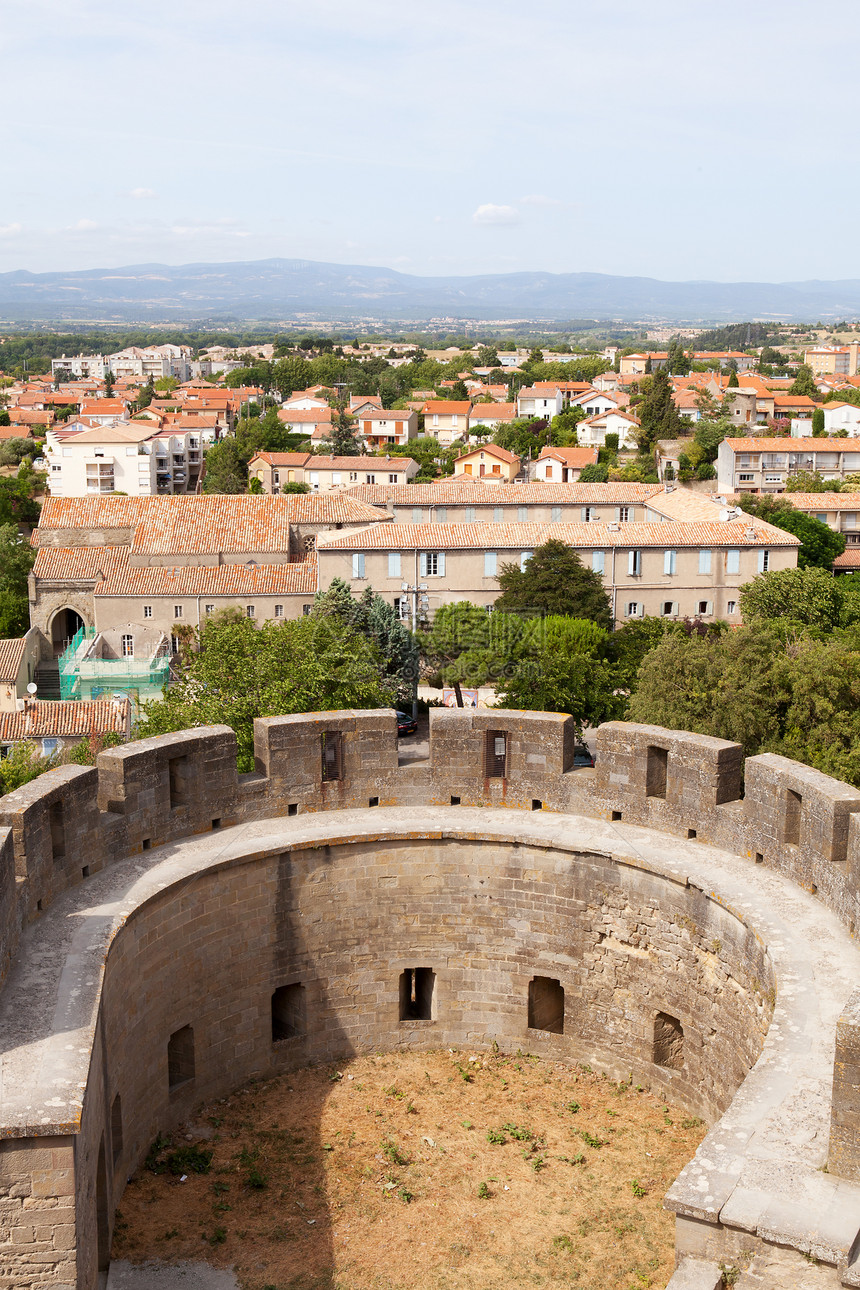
(657, 413)
(344, 440)
(226, 469)
(734, 383)
(373, 618)
(804, 383)
(581, 684)
(819, 544)
(24, 762)
(818, 430)
(16, 561)
(555, 581)
(594, 474)
(810, 596)
(810, 481)
(240, 671)
(166, 384)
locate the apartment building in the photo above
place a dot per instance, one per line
(152, 363)
(328, 474)
(639, 364)
(134, 457)
(839, 511)
(764, 465)
(840, 360)
(467, 501)
(672, 568)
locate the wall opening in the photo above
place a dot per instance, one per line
(546, 1005)
(102, 1221)
(116, 1129)
(58, 832)
(288, 1012)
(177, 772)
(417, 994)
(656, 771)
(180, 1058)
(332, 755)
(791, 829)
(668, 1048)
(496, 754)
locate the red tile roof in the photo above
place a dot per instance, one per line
(472, 492)
(11, 657)
(305, 416)
(492, 450)
(42, 719)
(447, 407)
(571, 456)
(298, 578)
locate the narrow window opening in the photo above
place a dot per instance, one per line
(147, 843)
(176, 768)
(791, 831)
(85, 871)
(417, 988)
(288, 1012)
(332, 756)
(691, 833)
(58, 832)
(537, 804)
(180, 1058)
(759, 858)
(656, 769)
(216, 824)
(373, 801)
(455, 801)
(546, 1005)
(293, 808)
(668, 1042)
(116, 1129)
(616, 815)
(497, 754)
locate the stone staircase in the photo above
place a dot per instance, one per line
(48, 681)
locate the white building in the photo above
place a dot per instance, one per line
(153, 363)
(132, 457)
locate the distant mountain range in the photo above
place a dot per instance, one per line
(305, 290)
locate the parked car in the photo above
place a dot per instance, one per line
(406, 725)
(582, 756)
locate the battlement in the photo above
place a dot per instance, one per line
(79, 825)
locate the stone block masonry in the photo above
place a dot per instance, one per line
(169, 929)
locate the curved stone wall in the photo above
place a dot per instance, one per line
(160, 891)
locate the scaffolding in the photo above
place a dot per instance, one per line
(85, 675)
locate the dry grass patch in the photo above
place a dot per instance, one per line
(443, 1170)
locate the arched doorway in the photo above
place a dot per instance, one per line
(63, 628)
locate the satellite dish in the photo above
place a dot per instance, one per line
(32, 687)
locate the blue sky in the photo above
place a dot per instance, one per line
(676, 139)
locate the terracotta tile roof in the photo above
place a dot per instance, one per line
(794, 401)
(298, 578)
(599, 417)
(11, 656)
(823, 501)
(31, 416)
(305, 416)
(78, 563)
(571, 456)
(282, 458)
(447, 407)
(785, 444)
(213, 524)
(849, 559)
(494, 412)
(103, 407)
(519, 537)
(492, 450)
(42, 719)
(472, 492)
(386, 414)
(16, 431)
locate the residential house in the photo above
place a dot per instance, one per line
(488, 462)
(564, 465)
(593, 430)
(328, 474)
(381, 428)
(763, 465)
(315, 423)
(447, 420)
(54, 727)
(841, 416)
(19, 658)
(540, 400)
(485, 418)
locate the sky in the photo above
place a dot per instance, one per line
(677, 139)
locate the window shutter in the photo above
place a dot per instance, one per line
(668, 561)
(490, 562)
(598, 561)
(583, 514)
(733, 561)
(440, 564)
(358, 565)
(631, 562)
(422, 564)
(761, 561)
(394, 564)
(704, 561)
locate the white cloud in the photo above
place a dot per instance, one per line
(9, 230)
(141, 194)
(85, 226)
(496, 215)
(538, 199)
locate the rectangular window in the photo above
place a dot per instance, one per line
(704, 562)
(417, 514)
(416, 994)
(634, 564)
(522, 514)
(279, 611)
(598, 561)
(288, 1012)
(358, 565)
(332, 755)
(525, 557)
(656, 768)
(147, 611)
(469, 515)
(546, 1005)
(705, 608)
(588, 514)
(392, 479)
(431, 564)
(731, 606)
(632, 610)
(394, 564)
(174, 644)
(746, 479)
(441, 514)
(763, 561)
(624, 514)
(498, 515)
(209, 609)
(250, 611)
(669, 561)
(335, 477)
(180, 1058)
(127, 646)
(490, 564)
(733, 561)
(177, 611)
(496, 754)
(555, 515)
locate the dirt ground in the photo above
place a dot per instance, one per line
(444, 1170)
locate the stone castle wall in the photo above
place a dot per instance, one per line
(336, 919)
